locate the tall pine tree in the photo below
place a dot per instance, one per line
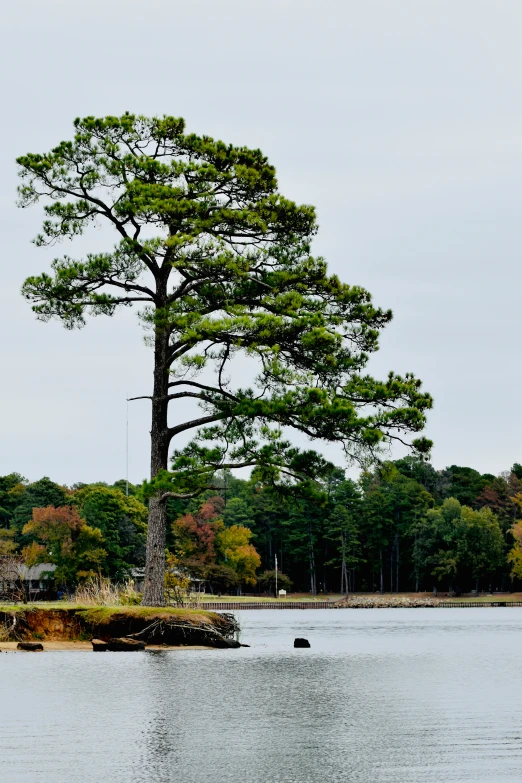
(219, 263)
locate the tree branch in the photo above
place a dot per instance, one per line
(194, 423)
(205, 388)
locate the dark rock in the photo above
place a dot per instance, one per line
(225, 644)
(30, 646)
(98, 645)
(245, 645)
(125, 645)
(301, 643)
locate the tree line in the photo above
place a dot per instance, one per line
(402, 526)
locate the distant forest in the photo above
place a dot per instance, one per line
(403, 526)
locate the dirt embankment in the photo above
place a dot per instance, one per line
(173, 627)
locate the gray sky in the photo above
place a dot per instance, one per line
(400, 120)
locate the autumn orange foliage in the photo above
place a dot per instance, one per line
(202, 537)
(63, 538)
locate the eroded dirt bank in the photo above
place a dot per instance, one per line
(173, 627)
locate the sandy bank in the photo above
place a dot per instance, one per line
(50, 646)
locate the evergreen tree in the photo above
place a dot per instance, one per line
(122, 522)
(12, 489)
(220, 264)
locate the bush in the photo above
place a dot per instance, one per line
(100, 591)
(267, 581)
(221, 578)
(176, 582)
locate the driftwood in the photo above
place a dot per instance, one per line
(12, 626)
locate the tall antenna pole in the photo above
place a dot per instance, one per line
(127, 452)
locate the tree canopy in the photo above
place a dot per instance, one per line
(122, 523)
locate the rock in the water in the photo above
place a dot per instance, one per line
(98, 645)
(301, 643)
(30, 646)
(225, 644)
(125, 645)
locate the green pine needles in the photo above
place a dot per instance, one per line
(243, 319)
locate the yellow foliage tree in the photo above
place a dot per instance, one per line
(515, 555)
(177, 584)
(233, 543)
(7, 544)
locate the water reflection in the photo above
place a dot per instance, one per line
(399, 696)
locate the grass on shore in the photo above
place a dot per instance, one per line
(509, 598)
(304, 597)
(101, 612)
(70, 621)
(209, 598)
(104, 614)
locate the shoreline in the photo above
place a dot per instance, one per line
(360, 602)
(82, 646)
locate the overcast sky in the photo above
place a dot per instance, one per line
(400, 120)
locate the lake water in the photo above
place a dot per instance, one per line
(391, 695)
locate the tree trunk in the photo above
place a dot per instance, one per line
(391, 568)
(397, 563)
(153, 589)
(382, 574)
(153, 592)
(313, 578)
(324, 566)
(344, 575)
(313, 583)
(416, 565)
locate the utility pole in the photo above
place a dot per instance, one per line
(275, 575)
(127, 452)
